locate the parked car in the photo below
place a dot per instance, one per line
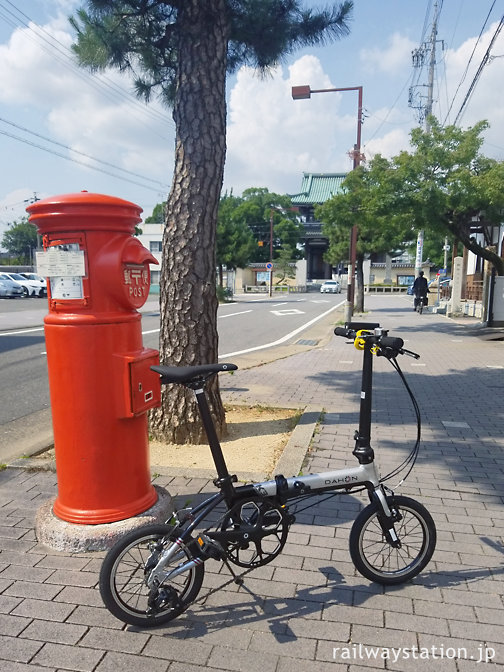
(28, 287)
(331, 286)
(37, 278)
(9, 289)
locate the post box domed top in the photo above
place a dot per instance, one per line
(84, 211)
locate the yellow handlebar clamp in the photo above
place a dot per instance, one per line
(360, 341)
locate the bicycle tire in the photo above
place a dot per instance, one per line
(378, 560)
(122, 579)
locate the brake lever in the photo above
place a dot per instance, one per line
(403, 351)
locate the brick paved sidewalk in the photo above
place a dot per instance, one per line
(309, 609)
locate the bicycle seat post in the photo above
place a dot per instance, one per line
(363, 451)
(224, 480)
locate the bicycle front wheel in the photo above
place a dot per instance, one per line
(122, 579)
(376, 559)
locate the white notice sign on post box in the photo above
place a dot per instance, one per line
(59, 261)
(65, 266)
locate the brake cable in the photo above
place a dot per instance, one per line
(409, 461)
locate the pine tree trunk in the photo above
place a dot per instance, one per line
(188, 301)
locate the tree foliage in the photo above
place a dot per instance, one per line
(446, 186)
(235, 242)
(143, 36)
(181, 51)
(266, 213)
(20, 240)
(366, 191)
(158, 214)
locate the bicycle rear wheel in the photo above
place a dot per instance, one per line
(376, 559)
(122, 579)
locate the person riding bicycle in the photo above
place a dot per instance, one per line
(420, 289)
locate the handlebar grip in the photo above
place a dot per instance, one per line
(359, 326)
(394, 343)
(342, 331)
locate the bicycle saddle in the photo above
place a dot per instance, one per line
(190, 374)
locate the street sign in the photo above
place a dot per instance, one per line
(269, 266)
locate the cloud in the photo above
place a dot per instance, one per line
(273, 139)
(93, 114)
(391, 60)
(388, 145)
(487, 98)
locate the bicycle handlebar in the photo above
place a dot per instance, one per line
(389, 346)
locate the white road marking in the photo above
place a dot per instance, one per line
(155, 331)
(287, 311)
(23, 331)
(242, 312)
(455, 425)
(284, 338)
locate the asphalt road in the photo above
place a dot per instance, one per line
(251, 330)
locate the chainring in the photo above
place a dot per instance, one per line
(264, 526)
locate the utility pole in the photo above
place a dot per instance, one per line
(423, 104)
(33, 199)
(432, 66)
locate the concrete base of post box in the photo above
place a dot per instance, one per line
(74, 538)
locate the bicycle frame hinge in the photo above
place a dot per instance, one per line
(363, 453)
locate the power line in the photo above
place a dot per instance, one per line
(484, 61)
(76, 151)
(57, 50)
(469, 63)
(82, 163)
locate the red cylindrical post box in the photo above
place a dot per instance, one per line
(100, 380)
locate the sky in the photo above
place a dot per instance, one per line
(63, 130)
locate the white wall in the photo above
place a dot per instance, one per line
(151, 239)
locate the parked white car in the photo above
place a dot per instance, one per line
(42, 282)
(10, 289)
(30, 287)
(332, 286)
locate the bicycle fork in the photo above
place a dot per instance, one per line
(387, 517)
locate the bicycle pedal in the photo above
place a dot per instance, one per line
(209, 548)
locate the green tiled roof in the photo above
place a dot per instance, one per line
(318, 188)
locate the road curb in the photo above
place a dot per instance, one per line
(289, 464)
(294, 454)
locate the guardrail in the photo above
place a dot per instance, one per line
(384, 289)
(264, 289)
